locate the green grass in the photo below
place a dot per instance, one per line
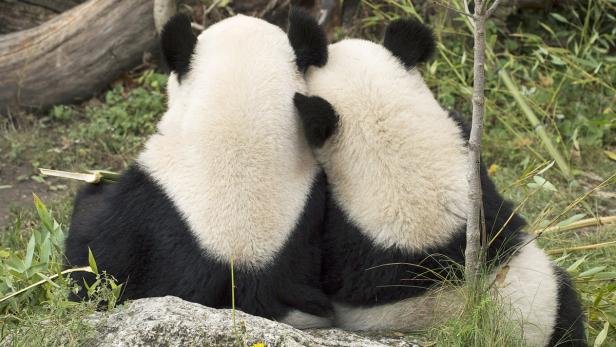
(34, 286)
(562, 65)
(480, 324)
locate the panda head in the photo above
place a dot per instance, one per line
(242, 58)
(230, 152)
(394, 159)
(362, 78)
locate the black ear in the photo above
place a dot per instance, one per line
(410, 41)
(318, 117)
(307, 39)
(178, 43)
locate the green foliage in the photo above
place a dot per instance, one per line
(38, 260)
(34, 289)
(481, 323)
(125, 117)
(62, 113)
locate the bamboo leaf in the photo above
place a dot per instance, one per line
(15, 264)
(577, 264)
(542, 183)
(602, 335)
(91, 261)
(592, 271)
(610, 275)
(534, 121)
(559, 18)
(92, 288)
(571, 219)
(43, 213)
(45, 250)
(30, 252)
(546, 168)
(598, 297)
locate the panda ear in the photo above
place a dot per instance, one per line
(178, 43)
(410, 41)
(318, 117)
(307, 39)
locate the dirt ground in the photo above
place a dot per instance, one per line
(17, 186)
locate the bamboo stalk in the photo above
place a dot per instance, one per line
(578, 225)
(581, 248)
(534, 121)
(106, 175)
(93, 176)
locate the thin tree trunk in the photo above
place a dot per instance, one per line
(474, 225)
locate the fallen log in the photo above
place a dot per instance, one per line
(75, 54)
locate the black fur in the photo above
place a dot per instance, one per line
(307, 39)
(569, 329)
(178, 43)
(356, 272)
(462, 124)
(137, 235)
(318, 117)
(410, 41)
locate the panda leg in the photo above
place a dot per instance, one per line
(303, 320)
(411, 314)
(569, 329)
(310, 308)
(533, 287)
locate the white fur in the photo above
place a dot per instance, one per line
(229, 151)
(397, 165)
(530, 287)
(303, 320)
(412, 314)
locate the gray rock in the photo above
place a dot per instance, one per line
(170, 321)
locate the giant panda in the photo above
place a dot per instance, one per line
(396, 165)
(227, 178)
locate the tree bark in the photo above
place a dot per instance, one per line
(473, 235)
(74, 55)
(16, 15)
(475, 224)
(163, 11)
